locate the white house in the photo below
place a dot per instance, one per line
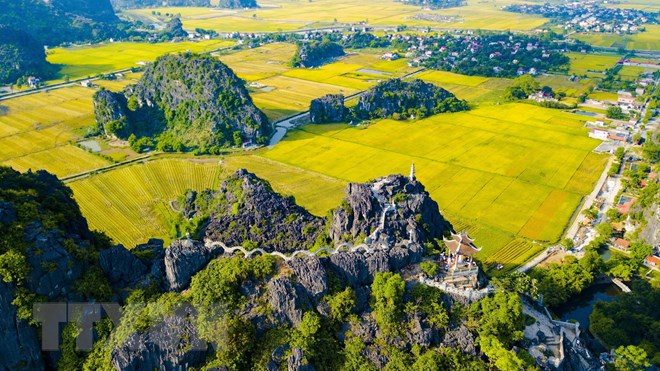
(599, 134)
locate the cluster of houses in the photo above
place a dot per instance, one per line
(600, 131)
(528, 56)
(652, 261)
(589, 16)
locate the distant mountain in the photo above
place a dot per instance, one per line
(436, 4)
(60, 21)
(21, 55)
(132, 4)
(28, 25)
(185, 101)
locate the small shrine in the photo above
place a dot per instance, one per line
(461, 251)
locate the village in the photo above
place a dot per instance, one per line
(589, 16)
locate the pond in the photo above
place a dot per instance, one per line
(585, 113)
(580, 307)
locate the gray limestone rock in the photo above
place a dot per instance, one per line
(286, 300)
(121, 267)
(328, 108)
(415, 216)
(298, 362)
(249, 210)
(19, 345)
(350, 267)
(310, 274)
(461, 338)
(170, 344)
(53, 270)
(184, 258)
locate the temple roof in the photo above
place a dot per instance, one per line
(461, 244)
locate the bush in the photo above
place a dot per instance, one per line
(431, 269)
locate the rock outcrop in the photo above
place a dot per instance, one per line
(19, 345)
(461, 338)
(311, 275)
(286, 300)
(249, 212)
(297, 361)
(185, 101)
(170, 344)
(184, 258)
(109, 108)
(399, 205)
(315, 53)
(121, 267)
(328, 108)
(399, 97)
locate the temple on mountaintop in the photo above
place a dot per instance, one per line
(461, 250)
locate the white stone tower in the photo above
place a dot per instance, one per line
(412, 172)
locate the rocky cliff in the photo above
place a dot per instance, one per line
(316, 53)
(188, 101)
(328, 108)
(401, 99)
(21, 55)
(389, 209)
(193, 305)
(250, 214)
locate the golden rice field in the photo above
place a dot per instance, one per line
(91, 60)
(36, 130)
(630, 72)
(603, 96)
(472, 88)
(131, 204)
(280, 90)
(503, 172)
(587, 64)
(259, 63)
(286, 15)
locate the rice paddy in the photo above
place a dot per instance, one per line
(36, 130)
(91, 60)
(591, 64)
(283, 15)
(515, 171)
(131, 204)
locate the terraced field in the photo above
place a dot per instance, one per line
(35, 131)
(131, 204)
